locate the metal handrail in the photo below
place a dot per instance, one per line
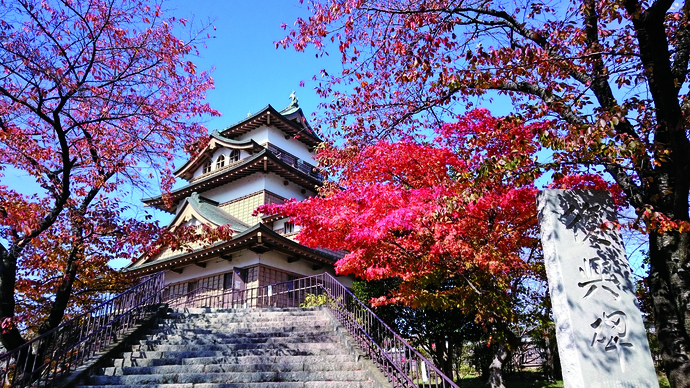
(399, 361)
(290, 293)
(42, 361)
(403, 365)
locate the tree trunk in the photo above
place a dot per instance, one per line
(448, 361)
(552, 363)
(10, 337)
(668, 284)
(62, 297)
(443, 357)
(496, 367)
(548, 362)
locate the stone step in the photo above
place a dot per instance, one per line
(231, 353)
(241, 348)
(197, 378)
(247, 319)
(259, 326)
(248, 329)
(327, 337)
(245, 336)
(299, 346)
(291, 321)
(244, 310)
(243, 313)
(234, 368)
(260, 359)
(241, 317)
(306, 384)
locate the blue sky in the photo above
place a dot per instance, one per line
(249, 71)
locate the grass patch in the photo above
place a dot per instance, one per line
(478, 382)
(663, 381)
(529, 380)
(513, 380)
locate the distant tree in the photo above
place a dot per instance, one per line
(96, 96)
(611, 74)
(441, 333)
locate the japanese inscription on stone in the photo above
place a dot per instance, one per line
(601, 337)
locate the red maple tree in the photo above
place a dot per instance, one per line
(95, 96)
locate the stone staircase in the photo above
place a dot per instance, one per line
(242, 348)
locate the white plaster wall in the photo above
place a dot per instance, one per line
(192, 222)
(236, 189)
(241, 259)
(279, 224)
(276, 184)
(276, 137)
(259, 135)
(253, 183)
(219, 151)
(302, 267)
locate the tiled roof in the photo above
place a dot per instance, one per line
(214, 214)
(262, 161)
(257, 235)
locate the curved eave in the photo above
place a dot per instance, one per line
(192, 164)
(272, 217)
(263, 162)
(259, 236)
(270, 116)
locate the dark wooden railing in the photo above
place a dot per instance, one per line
(295, 162)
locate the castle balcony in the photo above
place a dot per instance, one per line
(283, 155)
(294, 161)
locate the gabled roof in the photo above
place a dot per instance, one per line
(259, 238)
(293, 123)
(216, 140)
(207, 211)
(264, 161)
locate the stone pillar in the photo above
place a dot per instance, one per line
(601, 337)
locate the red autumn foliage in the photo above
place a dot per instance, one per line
(447, 218)
(96, 99)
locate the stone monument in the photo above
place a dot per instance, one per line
(601, 337)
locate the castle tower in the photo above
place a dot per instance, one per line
(265, 158)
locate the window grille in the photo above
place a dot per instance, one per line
(220, 162)
(207, 167)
